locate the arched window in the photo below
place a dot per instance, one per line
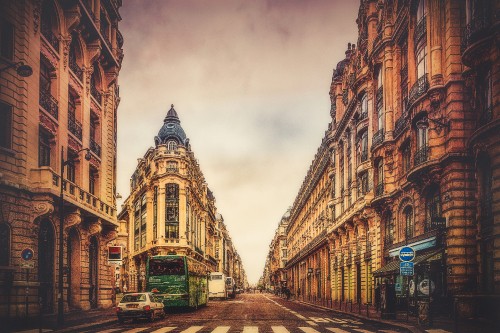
(409, 224)
(96, 84)
(380, 100)
(4, 244)
(364, 107)
(172, 210)
(74, 58)
(389, 229)
(49, 25)
(171, 145)
(379, 168)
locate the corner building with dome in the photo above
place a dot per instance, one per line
(170, 209)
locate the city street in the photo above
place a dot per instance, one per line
(252, 313)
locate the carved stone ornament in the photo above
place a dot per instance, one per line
(106, 96)
(51, 57)
(95, 228)
(48, 124)
(88, 74)
(72, 219)
(436, 97)
(41, 208)
(66, 41)
(109, 235)
(37, 5)
(75, 85)
(72, 17)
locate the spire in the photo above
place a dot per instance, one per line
(172, 116)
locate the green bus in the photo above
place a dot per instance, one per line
(180, 281)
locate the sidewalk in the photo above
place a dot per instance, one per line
(440, 324)
(74, 321)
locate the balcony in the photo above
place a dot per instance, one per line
(75, 68)
(96, 94)
(421, 155)
(477, 29)
(420, 30)
(49, 103)
(378, 138)
(379, 190)
(74, 126)
(418, 89)
(400, 125)
(95, 147)
(435, 223)
(48, 34)
(45, 179)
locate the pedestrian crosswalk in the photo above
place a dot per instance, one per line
(244, 329)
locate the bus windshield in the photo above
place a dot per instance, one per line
(166, 266)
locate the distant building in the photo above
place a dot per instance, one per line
(51, 117)
(170, 209)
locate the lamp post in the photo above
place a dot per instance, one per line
(21, 69)
(60, 303)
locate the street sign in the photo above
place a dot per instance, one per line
(115, 255)
(406, 253)
(406, 268)
(27, 254)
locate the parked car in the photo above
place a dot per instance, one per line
(140, 305)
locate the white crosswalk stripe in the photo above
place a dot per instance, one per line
(163, 329)
(221, 329)
(336, 330)
(279, 329)
(250, 329)
(362, 330)
(308, 330)
(192, 329)
(110, 330)
(437, 330)
(136, 330)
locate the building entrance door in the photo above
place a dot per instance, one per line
(46, 256)
(93, 272)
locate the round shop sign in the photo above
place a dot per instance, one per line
(406, 253)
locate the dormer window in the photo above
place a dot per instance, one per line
(171, 145)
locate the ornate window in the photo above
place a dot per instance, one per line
(409, 224)
(172, 211)
(389, 229)
(4, 244)
(155, 213)
(6, 40)
(171, 145)
(363, 183)
(363, 147)
(93, 175)
(144, 221)
(432, 208)
(140, 217)
(404, 77)
(379, 169)
(48, 24)
(422, 61)
(71, 168)
(406, 158)
(5, 126)
(364, 107)
(380, 100)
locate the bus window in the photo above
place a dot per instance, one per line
(215, 277)
(171, 266)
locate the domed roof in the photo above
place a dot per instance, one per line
(171, 129)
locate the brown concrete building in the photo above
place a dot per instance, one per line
(51, 117)
(278, 255)
(170, 209)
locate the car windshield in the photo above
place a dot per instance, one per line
(133, 298)
(170, 266)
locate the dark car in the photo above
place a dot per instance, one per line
(140, 305)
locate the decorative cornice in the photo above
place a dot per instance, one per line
(41, 208)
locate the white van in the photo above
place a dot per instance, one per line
(217, 285)
(231, 287)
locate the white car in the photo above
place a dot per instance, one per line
(140, 305)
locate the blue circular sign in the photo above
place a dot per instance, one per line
(406, 253)
(27, 254)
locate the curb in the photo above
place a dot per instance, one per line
(411, 328)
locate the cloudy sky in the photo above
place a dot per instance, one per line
(250, 81)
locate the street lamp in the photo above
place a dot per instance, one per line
(21, 69)
(60, 303)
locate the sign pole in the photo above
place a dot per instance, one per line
(27, 291)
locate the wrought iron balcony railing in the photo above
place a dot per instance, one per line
(49, 35)
(435, 223)
(379, 189)
(96, 93)
(75, 68)
(378, 138)
(400, 125)
(418, 89)
(95, 147)
(477, 28)
(421, 155)
(75, 126)
(420, 30)
(49, 103)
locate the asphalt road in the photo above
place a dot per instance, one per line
(253, 313)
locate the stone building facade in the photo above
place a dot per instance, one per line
(278, 255)
(170, 209)
(51, 116)
(414, 157)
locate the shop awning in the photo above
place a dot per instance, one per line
(393, 266)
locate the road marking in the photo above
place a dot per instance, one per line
(437, 330)
(250, 329)
(336, 330)
(389, 331)
(362, 330)
(300, 316)
(110, 330)
(312, 323)
(136, 330)
(335, 320)
(280, 329)
(308, 330)
(163, 329)
(192, 329)
(221, 329)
